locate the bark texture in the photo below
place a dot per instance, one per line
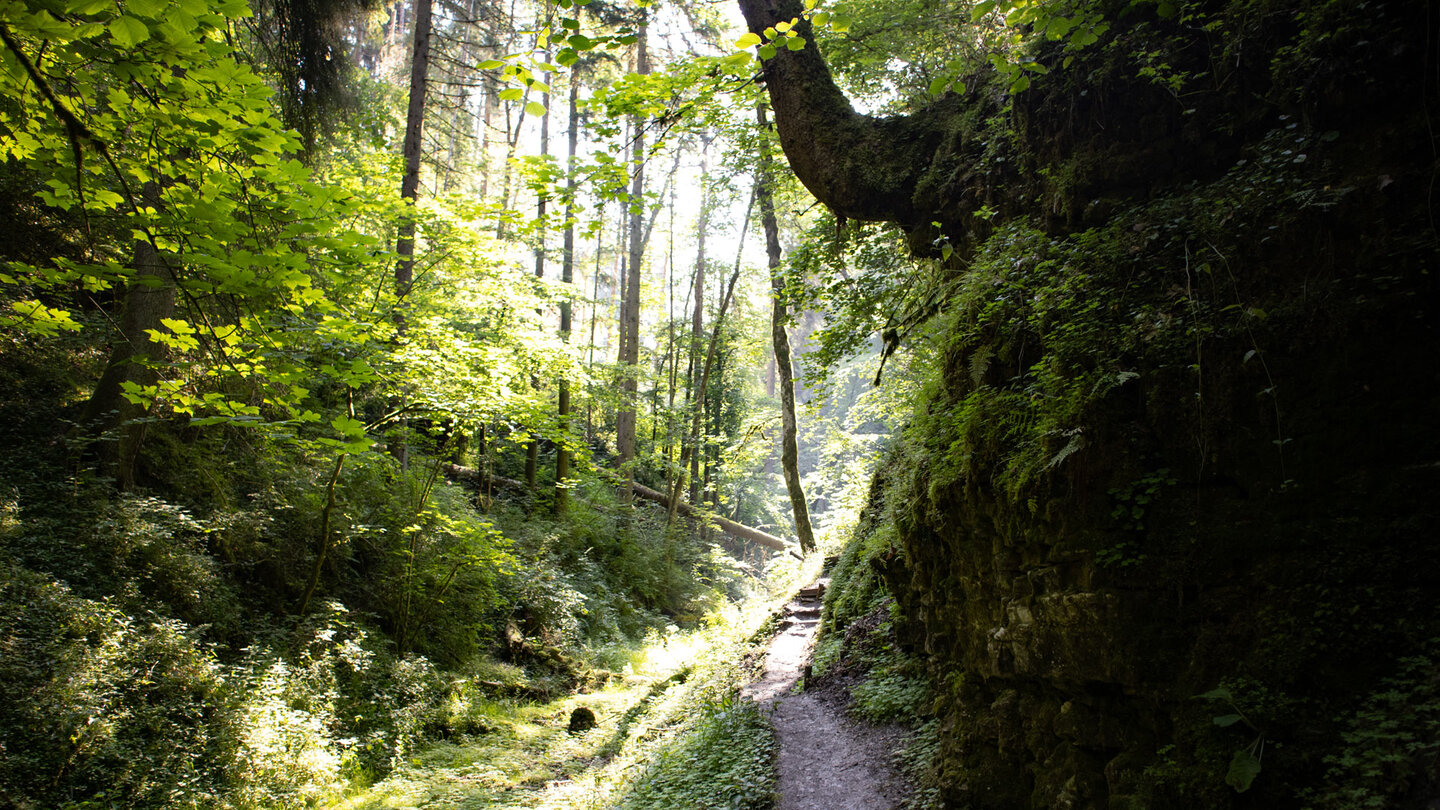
(630, 311)
(567, 276)
(108, 414)
(862, 167)
(414, 126)
(789, 445)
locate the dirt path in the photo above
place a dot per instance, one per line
(827, 761)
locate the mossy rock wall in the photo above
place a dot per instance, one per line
(1165, 524)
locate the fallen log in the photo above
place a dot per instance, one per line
(477, 479)
(730, 527)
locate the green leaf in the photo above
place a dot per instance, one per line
(86, 30)
(840, 24)
(1244, 767)
(795, 43)
(580, 42)
(128, 31)
(938, 85)
(88, 6)
(1226, 720)
(566, 57)
(348, 427)
(767, 51)
(570, 23)
(491, 64)
(511, 94)
(1220, 693)
(146, 8)
(981, 9)
(748, 40)
(820, 18)
(535, 108)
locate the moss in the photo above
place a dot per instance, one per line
(1176, 438)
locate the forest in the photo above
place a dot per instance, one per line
(632, 403)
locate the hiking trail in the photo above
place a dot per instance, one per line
(827, 760)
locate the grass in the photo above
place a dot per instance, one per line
(670, 732)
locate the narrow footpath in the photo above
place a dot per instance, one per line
(827, 760)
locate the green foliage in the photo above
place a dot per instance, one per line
(103, 707)
(1245, 764)
(1389, 744)
(855, 591)
(892, 695)
(723, 760)
(1044, 333)
(1131, 503)
(917, 763)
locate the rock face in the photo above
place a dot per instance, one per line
(1166, 527)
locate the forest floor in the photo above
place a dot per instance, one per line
(528, 759)
(827, 760)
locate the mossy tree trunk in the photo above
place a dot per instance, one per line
(780, 339)
(118, 422)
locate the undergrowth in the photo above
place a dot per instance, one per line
(723, 761)
(670, 733)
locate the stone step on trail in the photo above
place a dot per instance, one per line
(826, 760)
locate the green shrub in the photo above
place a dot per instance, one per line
(723, 761)
(1391, 743)
(891, 695)
(100, 706)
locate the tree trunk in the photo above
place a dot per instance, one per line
(671, 349)
(410, 189)
(325, 515)
(532, 449)
(410, 181)
(567, 277)
(726, 525)
(697, 332)
(693, 448)
(594, 317)
(789, 446)
(480, 481)
(863, 168)
(630, 326)
(108, 411)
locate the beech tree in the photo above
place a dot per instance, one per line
(630, 309)
(780, 340)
